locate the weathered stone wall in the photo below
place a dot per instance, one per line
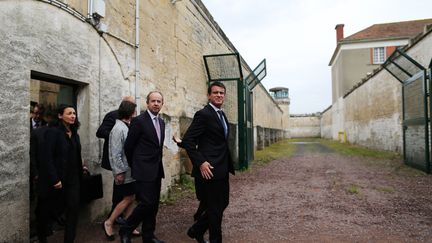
(326, 124)
(266, 113)
(305, 126)
(37, 36)
(60, 45)
(371, 115)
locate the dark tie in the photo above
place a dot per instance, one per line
(36, 124)
(222, 119)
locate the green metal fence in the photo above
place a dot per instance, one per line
(416, 110)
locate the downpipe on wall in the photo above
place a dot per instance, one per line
(137, 60)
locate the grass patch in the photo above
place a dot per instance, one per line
(275, 151)
(356, 150)
(353, 189)
(378, 158)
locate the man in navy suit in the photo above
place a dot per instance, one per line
(143, 148)
(206, 142)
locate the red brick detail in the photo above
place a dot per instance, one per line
(390, 50)
(371, 55)
(339, 32)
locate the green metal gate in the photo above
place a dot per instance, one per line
(416, 110)
(415, 122)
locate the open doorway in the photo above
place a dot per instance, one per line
(46, 93)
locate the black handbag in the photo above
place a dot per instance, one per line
(91, 187)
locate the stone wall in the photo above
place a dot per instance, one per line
(326, 123)
(40, 37)
(304, 126)
(266, 114)
(371, 114)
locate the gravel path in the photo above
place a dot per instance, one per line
(314, 196)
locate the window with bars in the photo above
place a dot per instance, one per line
(378, 55)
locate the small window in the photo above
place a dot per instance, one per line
(378, 55)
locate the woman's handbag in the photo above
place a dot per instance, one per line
(91, 187)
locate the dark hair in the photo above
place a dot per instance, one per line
(151, 92)
(215, 83)
(40, 107)
(60, 110)
(126, 109)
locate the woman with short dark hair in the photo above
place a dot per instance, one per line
(124, 183)
(64, 167)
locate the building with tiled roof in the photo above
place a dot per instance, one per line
(359, 54)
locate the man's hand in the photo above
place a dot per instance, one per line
(176, 139)
(58, 185)
(119, 179)
(205, 169)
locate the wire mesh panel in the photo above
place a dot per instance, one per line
(416, 139)
(402, 66)
(257, 75)
(223, 67)
(414, 100)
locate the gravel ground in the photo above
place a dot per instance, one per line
(314, 196)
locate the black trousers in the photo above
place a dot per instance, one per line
(148, 195)
(47, 210)
(214, 196)
(71, 203)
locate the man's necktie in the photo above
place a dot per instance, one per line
(157, 127)
(224, 124)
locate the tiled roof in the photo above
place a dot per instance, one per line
(406, 29)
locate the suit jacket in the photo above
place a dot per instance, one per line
(37, 143)
(143, 149)
(104, 132)
(205, 141)
(41, 124)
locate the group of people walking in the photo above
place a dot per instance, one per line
(133, 151)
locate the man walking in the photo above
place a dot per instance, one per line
(206, 142)
(143, 148)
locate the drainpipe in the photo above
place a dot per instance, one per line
(137, 60)
(89, 9)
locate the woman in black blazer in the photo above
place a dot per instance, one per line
(62, 169)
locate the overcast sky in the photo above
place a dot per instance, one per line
(297, 38)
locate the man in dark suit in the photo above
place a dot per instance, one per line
(36, 119)
(104, 132)
(206, 142)
(143, 148)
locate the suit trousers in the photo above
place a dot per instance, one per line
(214, 200)
(148, 195)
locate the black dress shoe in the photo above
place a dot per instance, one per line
(154, 240)
(194, 235)
(125, 238)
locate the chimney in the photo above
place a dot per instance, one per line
(339, 32)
